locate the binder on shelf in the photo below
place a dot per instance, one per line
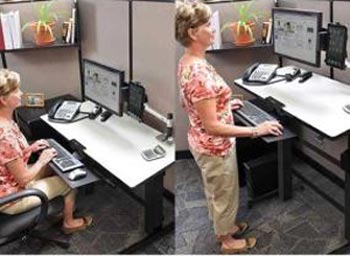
(15, 29)
(11, 30)
(69, 31)
(215, 22)
(6, 31)
(18, 43)
(269, 32)
(74, 11)
(2, 43)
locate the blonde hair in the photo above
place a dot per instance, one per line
(189, 15)
(9, 81)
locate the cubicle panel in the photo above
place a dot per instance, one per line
(51, 71)
(105, 32)
(154, 62)
(154, 52)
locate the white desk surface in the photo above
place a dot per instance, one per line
(116, 145)
(318, 101)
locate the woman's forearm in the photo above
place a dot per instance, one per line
(22, 173)
(227, 130)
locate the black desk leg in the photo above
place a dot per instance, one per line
(345, 161)
(154, 203)
(347, 205)
(284, 154)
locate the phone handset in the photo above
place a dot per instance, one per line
(260, 73)
(247, 74)
(54, 109)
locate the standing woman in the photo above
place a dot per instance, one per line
(16, 174)
(206, 99)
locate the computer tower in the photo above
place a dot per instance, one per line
(261, 176)
(248, 149)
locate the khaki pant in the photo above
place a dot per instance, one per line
(52, 186)
(220, 178)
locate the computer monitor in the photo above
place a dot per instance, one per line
(296, 34)
(103, 86)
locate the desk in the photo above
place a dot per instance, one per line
(116, 146)
(317, 103)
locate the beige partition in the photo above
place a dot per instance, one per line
(105, 32)
(51, 71)
(154, 57)
(154, 52)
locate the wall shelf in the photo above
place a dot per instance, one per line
(231, 46)
(30, 46)
(224, 1)
(2, 2)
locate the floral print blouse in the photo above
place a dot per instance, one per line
(200, 81)
(13, 145)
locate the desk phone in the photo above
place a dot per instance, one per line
(260, 73)
(64, 110)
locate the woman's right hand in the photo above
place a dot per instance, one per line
(270, 127)
(47, 155)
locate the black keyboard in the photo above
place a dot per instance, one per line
(64, 160)
(254, 114)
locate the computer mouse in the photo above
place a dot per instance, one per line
(77, 174)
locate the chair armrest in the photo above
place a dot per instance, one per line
(29, 192)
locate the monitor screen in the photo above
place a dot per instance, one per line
(103, 86)
(296, 34)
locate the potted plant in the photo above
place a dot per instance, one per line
(242, 29)
(43, 27)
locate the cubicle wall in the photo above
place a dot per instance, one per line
(154, 58)
(105, 32)
(148, 58)
(43, 70)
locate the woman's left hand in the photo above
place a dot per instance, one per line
(39, 145)
(236, 104)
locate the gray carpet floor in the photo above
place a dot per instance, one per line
(305, 224)
(118, 223)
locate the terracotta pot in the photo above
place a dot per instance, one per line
(43, 37)
(243, 37)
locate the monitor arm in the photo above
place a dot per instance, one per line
(168, 121)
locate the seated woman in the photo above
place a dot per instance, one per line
(16, 174)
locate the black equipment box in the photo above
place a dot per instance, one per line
(261, 177)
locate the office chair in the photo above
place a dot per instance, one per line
(29, 223)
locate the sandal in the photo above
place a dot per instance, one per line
(87, 222)
(250, 242)
(242, 228)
